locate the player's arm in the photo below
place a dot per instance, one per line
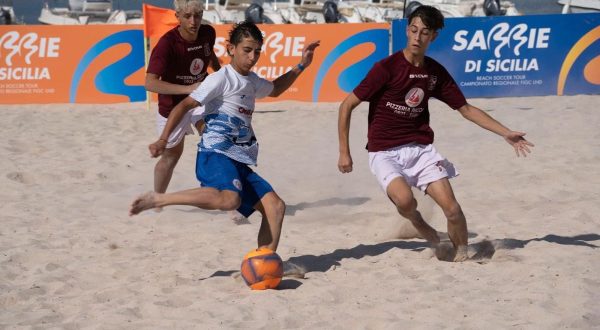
(283, 82)
(345, 113)
(157, 148)
(214, 62)
(154, 84)
(479, 117)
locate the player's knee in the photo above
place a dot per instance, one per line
(405, 205)
(168, 161)
(229, 202)
(278, 206)
(453, 212)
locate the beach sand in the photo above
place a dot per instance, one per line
(72, 258)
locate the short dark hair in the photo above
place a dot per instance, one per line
(243, 30)
(430, 16)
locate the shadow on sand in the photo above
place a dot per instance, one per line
(293, 208)
(480, 251)
(578, 240)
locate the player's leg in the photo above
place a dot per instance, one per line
(401, 195)
(163, 170)
(388, 167)
(205, 198)
(272, 209)
(257, 194)
(441, 192)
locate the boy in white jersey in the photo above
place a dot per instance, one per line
(228, 144)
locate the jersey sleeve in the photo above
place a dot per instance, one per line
(159, 58)
(375, 80)
(212, 33)
(448, 91)
(264, 87)
(211, 88)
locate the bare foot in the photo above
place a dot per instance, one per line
(142, 203)
(461, 254)
(293, 270)
(443, 250)
(238, 218)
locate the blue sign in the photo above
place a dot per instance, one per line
(517, 55)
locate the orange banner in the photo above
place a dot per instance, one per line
(71, 64)
(105, 63)
(339, 64)
(341, 61)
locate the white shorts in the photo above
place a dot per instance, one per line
(418, 164)
(184, 128)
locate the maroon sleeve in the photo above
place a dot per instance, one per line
(448, 91)
(159, 57)
(213, 35)
(375, 80)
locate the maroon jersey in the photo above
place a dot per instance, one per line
(398, 94)
(180, 62)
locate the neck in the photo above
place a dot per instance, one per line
(414, 59)
(186, 35)
(238, 69)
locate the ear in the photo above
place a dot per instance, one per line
(230, 48)
(435, 34)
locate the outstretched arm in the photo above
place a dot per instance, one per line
(283, 82)
(515, 139)
(158, 147)
(345, 113)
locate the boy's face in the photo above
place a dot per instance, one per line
(418, 37)
(190, 18)
(245, 54)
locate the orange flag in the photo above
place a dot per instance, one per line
(158, 20)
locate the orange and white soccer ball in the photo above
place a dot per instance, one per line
(262, 269)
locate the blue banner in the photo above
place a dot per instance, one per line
(517, 55)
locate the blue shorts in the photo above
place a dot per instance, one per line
(218, 171)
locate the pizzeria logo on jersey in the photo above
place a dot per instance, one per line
(414, 97)
(196, 66)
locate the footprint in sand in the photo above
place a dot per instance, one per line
(481, 252)
(19, 177)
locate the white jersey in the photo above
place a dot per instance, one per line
(228, 98)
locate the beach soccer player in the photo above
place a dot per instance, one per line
(177, 65)
(400, 140)
(229, 146)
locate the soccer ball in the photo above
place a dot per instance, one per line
(262, 269)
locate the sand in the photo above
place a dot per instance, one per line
(72, 258)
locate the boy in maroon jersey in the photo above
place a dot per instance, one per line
(400, 140)
(177, 65)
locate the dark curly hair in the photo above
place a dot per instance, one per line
(243, 30)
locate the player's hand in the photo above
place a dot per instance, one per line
(308, 52)
(518, 142)
(157, 148)
(345, 163)
(192, 87)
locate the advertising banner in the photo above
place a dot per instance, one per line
(105, 63)
(518, 55)
(339, 64)
(71, 64)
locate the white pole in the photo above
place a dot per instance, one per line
(567, 7)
